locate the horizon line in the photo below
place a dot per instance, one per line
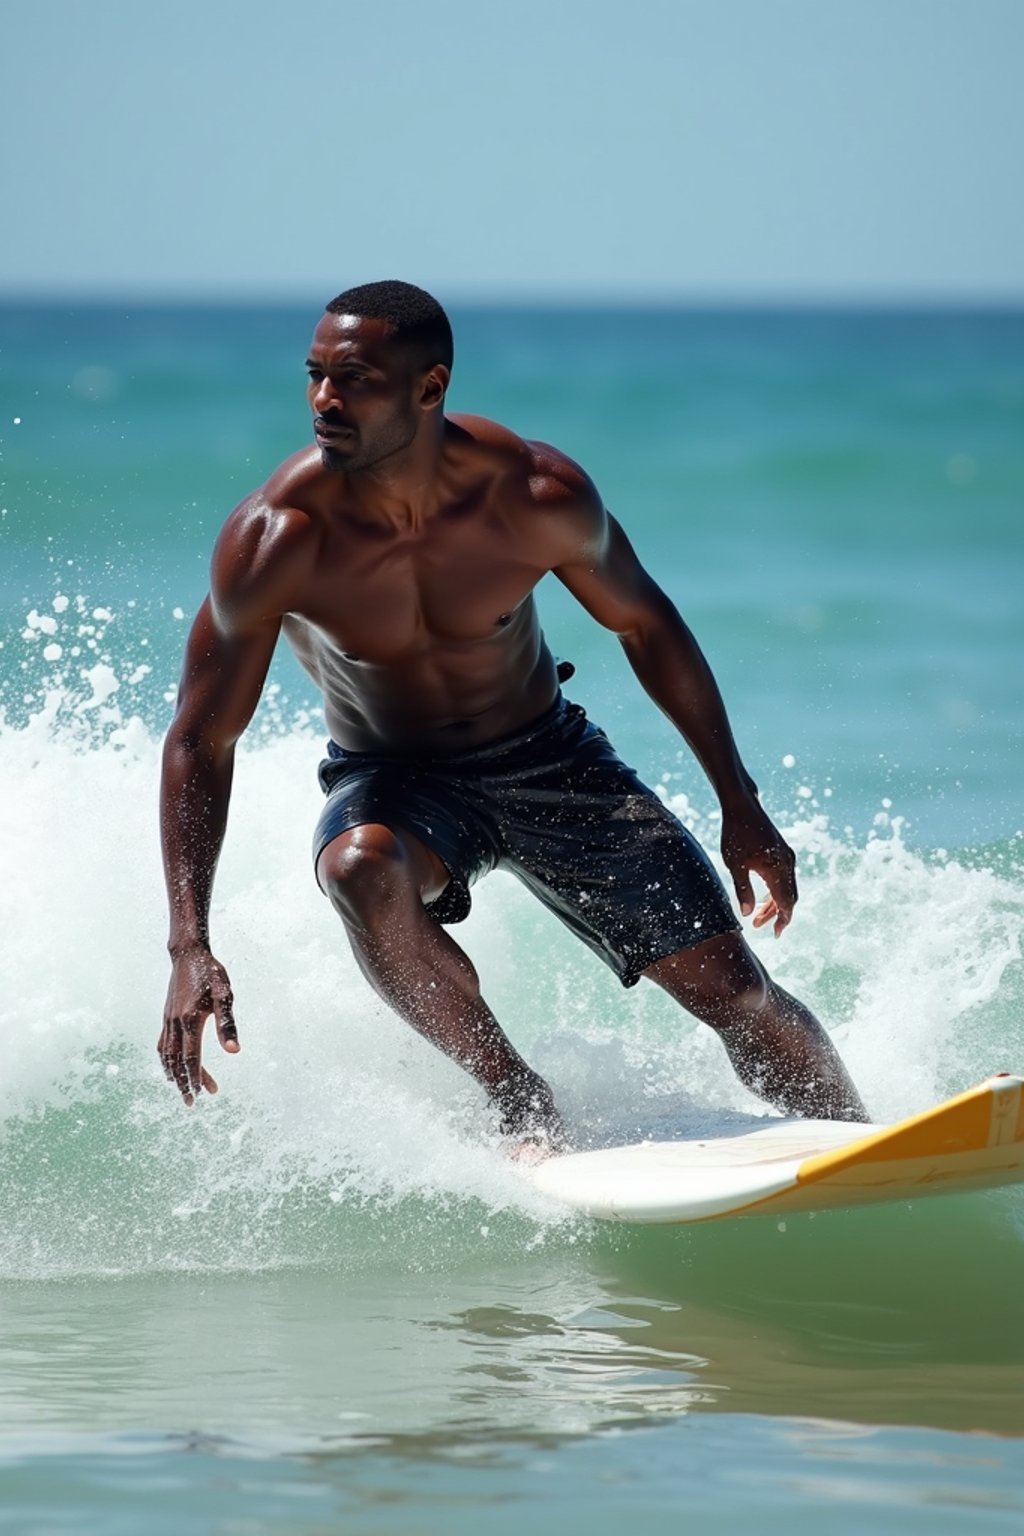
(553, 299)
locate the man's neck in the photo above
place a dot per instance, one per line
(404, 490)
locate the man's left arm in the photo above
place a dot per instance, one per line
(606, 577)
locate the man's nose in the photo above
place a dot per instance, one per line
(326, 396)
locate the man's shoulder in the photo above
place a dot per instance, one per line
(552, 479)
(296, 485)
(488, 442)
(280, 510)
(268, 538)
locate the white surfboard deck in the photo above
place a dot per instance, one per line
(973, 1141)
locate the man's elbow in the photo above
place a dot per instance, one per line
(190, 744)
(649, 624)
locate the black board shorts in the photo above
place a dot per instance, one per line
(554, 804)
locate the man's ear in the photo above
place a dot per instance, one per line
(435, 384)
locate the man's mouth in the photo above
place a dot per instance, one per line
(330, 431)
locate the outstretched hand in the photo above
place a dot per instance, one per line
(752, 844)
(199, 987)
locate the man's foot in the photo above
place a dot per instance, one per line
(529, 1119)
(532, 1150)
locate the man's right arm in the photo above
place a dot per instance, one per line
(226, 661)
(222, 679)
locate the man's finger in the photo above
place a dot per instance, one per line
(223, 1013)
(170, 1056)
(174, 1066)
(781, 885)
(744, 891)
(209, 1082)
(192, 1033)
(765, 912)
(163, 1051)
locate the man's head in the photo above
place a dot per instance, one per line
(416, 322)
(379, 366)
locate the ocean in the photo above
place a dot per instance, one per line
(323, 1299)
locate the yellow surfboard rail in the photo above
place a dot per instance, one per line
(969, 1142)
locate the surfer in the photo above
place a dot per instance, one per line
(398, 555)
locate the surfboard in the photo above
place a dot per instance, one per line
(973, 1141)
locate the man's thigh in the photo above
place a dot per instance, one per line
(603, 853)
(423, 809)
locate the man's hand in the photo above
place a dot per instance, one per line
(751, 844)
(199, 986)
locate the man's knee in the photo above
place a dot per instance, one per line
(368, 873)
(720, 980)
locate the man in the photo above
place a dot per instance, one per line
(399, 557)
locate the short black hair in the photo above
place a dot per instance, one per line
(417, 321)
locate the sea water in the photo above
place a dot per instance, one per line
(323, 1298)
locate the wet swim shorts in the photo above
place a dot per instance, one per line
(556, 806)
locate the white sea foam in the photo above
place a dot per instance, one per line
(912, 960)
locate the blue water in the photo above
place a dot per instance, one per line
(324, 1296)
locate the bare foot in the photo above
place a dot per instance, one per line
(531, 1151)
(530, 1120)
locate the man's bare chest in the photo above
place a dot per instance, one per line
(387, 598)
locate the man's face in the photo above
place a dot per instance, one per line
(363, 391)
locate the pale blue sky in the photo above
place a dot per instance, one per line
(660, 149)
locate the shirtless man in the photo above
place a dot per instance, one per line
(399, 557)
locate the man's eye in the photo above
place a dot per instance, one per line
(314, 375)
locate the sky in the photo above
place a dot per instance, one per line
(590, 150)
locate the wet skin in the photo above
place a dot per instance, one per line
(398, 556)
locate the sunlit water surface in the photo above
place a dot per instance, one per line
(325, 1298)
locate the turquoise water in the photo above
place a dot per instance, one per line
(324, 1298)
